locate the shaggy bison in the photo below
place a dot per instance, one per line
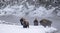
(36, 22)
(45, 22)
(24, 22)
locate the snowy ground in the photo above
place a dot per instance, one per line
(19, 29)
(11, 20)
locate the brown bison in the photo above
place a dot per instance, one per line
(45, 22)
(36, 22)
(25, 24)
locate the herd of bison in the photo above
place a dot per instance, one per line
(43, 22)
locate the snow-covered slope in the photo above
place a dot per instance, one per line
(10, 19)
(19, 29)
(26, 10)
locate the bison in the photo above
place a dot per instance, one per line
(45, 22)
(36, 22)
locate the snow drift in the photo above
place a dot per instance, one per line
(19, 29)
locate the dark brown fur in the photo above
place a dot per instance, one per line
(45, 22)
(21, 21)
(25, 24)
(36, 22)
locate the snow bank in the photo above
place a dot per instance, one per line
(42, 12)
(19, 29)
(31, 11)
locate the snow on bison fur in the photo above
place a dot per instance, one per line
(45, 22)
